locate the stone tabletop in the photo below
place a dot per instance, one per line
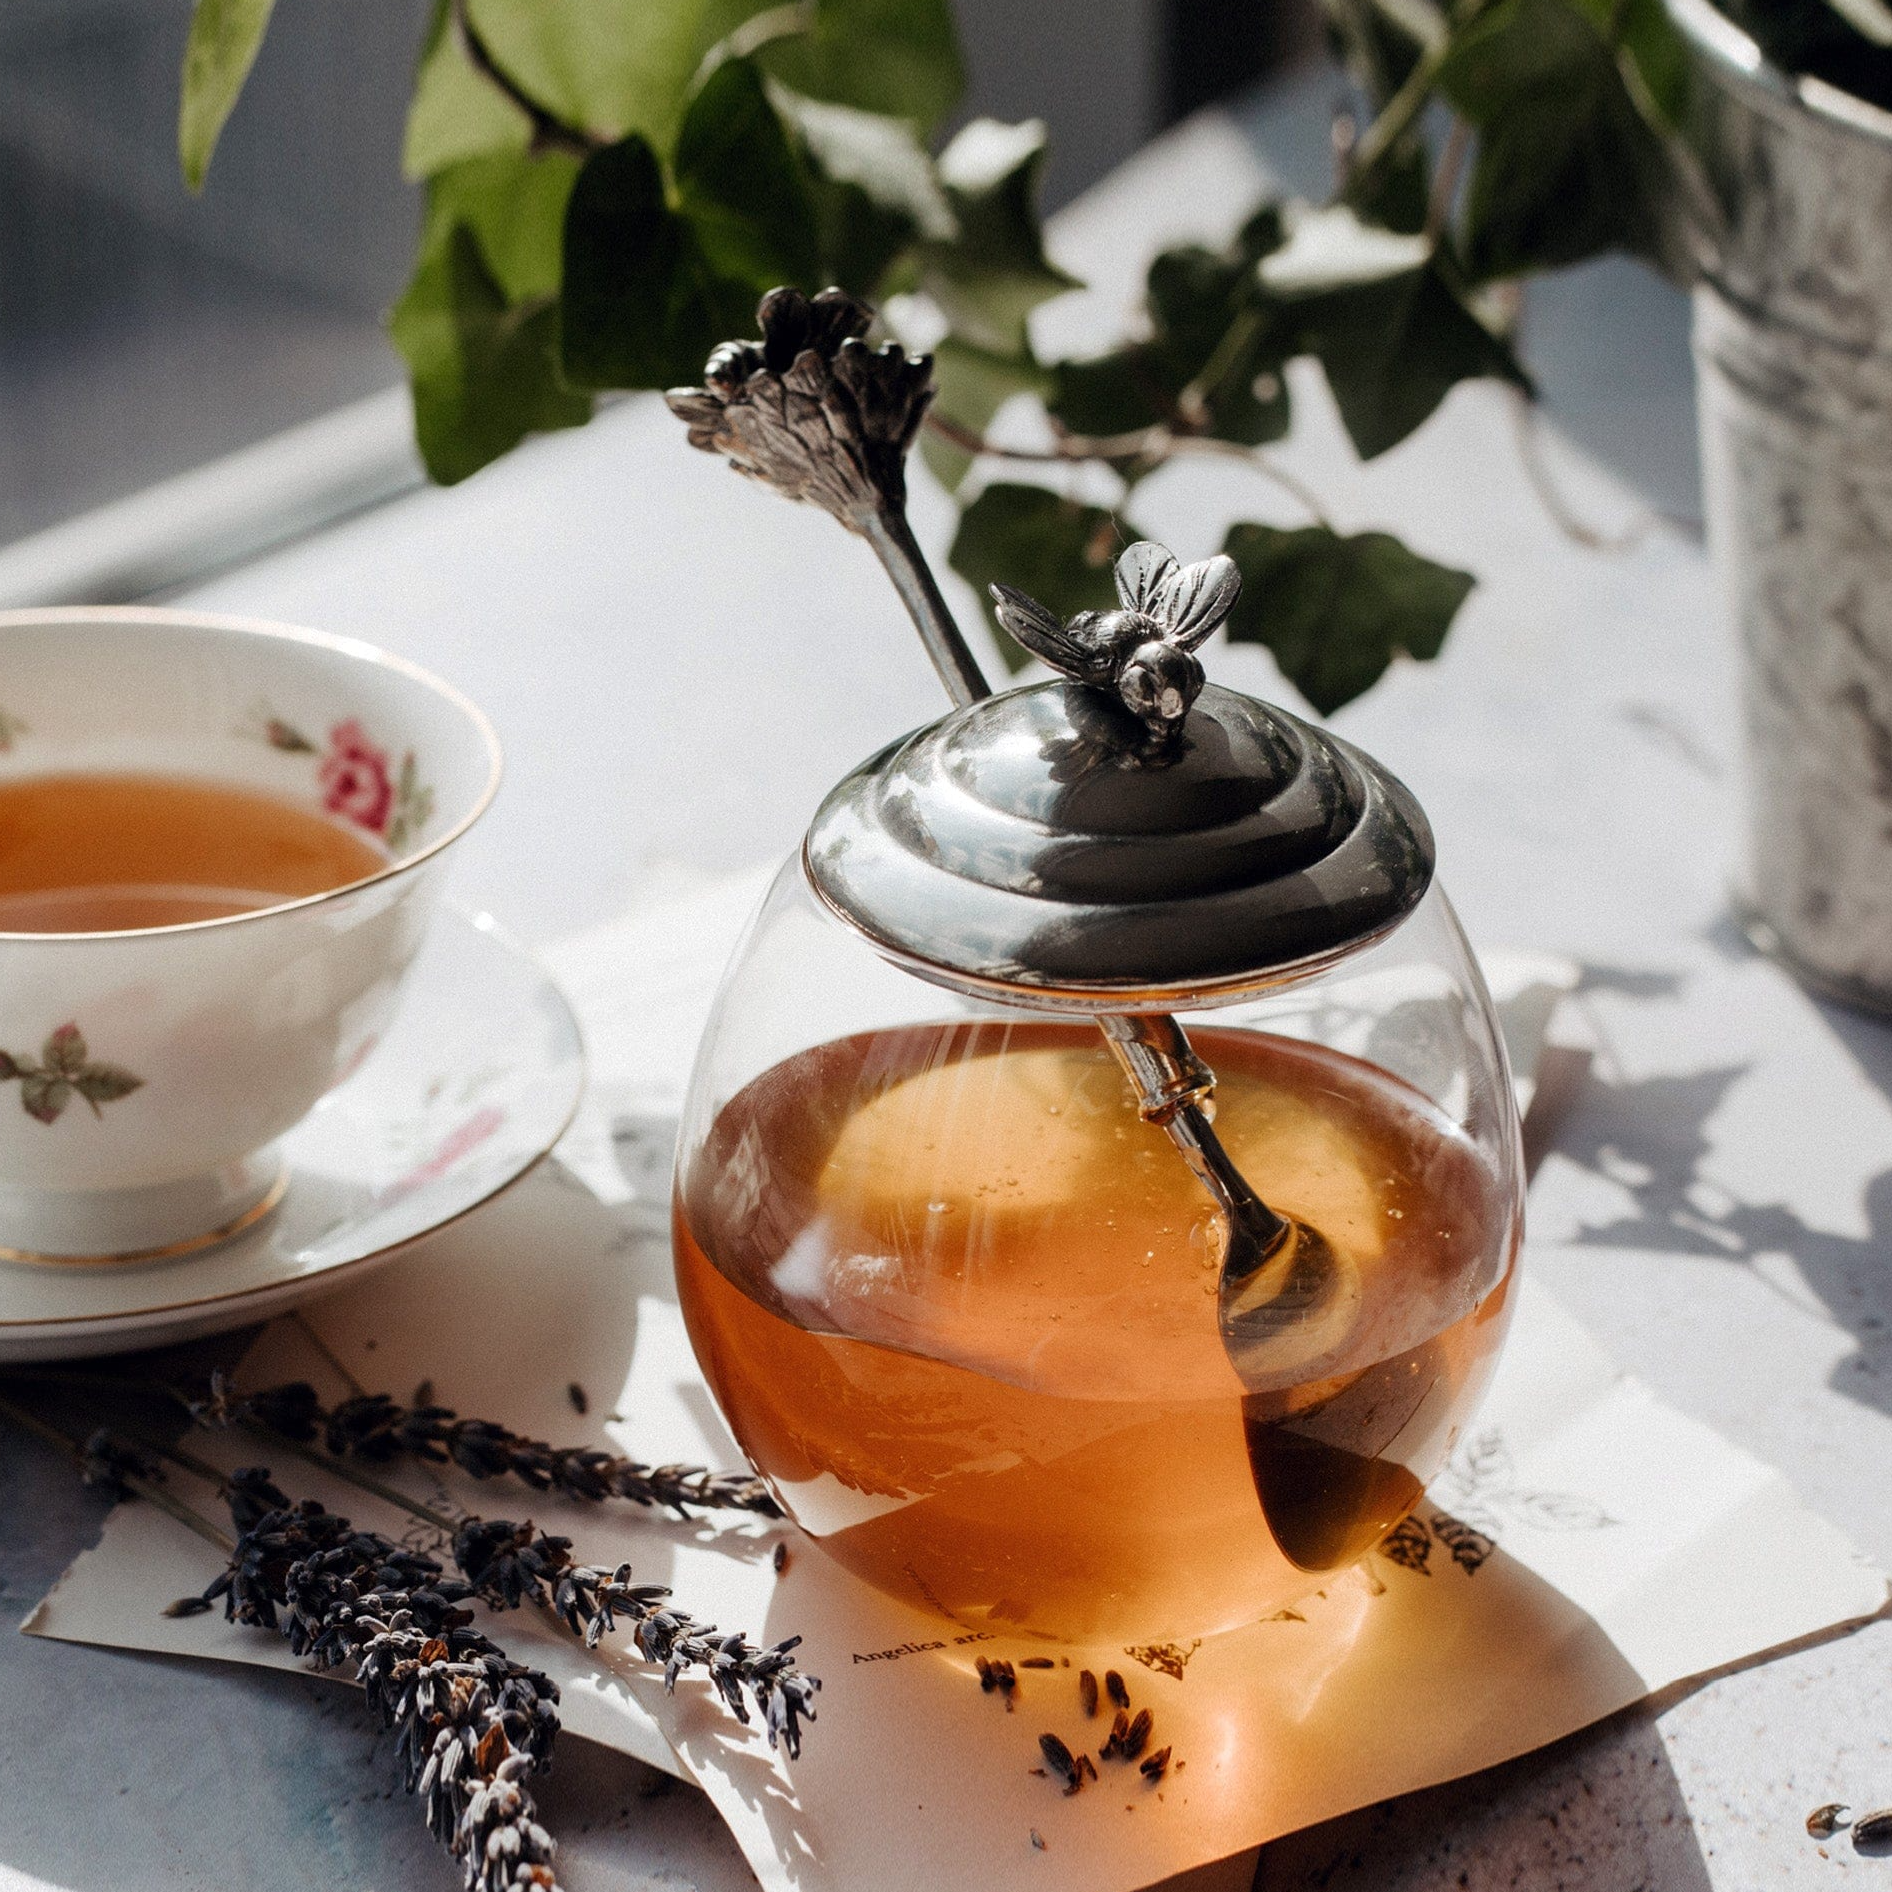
(1717, 1205)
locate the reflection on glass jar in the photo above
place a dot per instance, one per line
(961, 1305)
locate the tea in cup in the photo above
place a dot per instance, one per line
(220, 846)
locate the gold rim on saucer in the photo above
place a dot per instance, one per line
(189, 1246)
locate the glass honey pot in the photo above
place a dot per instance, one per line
(1098, 1191)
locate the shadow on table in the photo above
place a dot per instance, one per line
(1601, 1809)
(1650, 1138)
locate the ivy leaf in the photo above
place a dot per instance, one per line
(972, 386)
(872, 184)
(1053, 547)
(484, 368)
(515, 206)
(1391, 330)
(1380, 44)
(1122, 392)
(225, 36)
(1658, 54)
(641, 306)
(994, 272)
(1217, 336)
(895, 57)
(741, 184)
(456, 112)
(1336, 610)
(1569, 163)
(1395, 193)
(613, 67)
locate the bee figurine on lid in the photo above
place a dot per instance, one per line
(1099, 1192)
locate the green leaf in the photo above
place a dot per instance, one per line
(612, 67)
(225, 36)
(897, 57)
(1054, 548)
(1658, 54)
(994, 272)
(1217, 338)
(741, 184)
(641, 305)
(515, 205)
(872, 185)
(1397, 191)
(1380, 43)
(456, 112)
(1569, 163)
(972, 386)
(484, 368)
(1391, 330)
(1129, 389)
(1337, 610)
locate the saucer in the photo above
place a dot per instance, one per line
(473, 1082)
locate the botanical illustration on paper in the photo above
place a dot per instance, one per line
(1165, 1658)
(64, 1070)
(1480, 1486)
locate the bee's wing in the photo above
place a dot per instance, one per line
(1041, 633)
(1194, 599)
(1142, 570)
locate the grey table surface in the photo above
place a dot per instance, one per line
(660, 643)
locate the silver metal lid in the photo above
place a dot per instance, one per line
(1044, 845)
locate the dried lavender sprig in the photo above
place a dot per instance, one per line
(377, 1428)
(109, 1463)
(509, 1564)
(470, 1724)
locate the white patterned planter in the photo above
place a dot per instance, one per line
(1793, 342)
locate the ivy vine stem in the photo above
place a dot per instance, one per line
(1149, 445)
(1400, 113)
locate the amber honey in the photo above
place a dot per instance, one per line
(961, 1307)
(111, 852)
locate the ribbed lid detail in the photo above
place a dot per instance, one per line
(1035, 846)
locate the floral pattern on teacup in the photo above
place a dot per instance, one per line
(65, 1069)
(356, 779)
(11, 730)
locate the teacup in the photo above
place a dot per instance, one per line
(145, 1075)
